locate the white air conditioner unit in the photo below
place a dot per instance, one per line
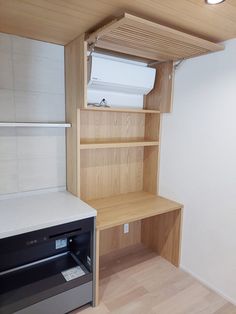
(118, 76)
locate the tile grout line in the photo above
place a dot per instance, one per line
(14, 103)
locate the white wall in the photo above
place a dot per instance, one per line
(31, 90)
(198, 166)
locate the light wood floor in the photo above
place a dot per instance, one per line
(143, 283)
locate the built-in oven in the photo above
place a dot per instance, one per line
(48, 271)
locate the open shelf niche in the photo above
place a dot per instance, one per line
(115, 151)
(114, 129)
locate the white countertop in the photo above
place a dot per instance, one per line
(29, 213)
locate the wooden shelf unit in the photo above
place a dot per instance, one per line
(116, 151)
(113, 153)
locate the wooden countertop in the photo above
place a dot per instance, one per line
(125, 208)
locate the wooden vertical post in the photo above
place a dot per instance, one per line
(160, 98)
(76, 97)
(162, 234)
(97, 267)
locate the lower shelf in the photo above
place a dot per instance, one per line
(113, 144)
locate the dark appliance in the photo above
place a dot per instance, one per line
(48, 271)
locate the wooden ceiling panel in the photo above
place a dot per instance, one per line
(60, 21)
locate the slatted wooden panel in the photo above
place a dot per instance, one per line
(139, 37)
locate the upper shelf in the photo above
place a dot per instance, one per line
(142, 38)
(34, 125)
(125, 110)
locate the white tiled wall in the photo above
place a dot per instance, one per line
(31, 90)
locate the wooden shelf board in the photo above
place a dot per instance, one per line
(118, 144)
(142, 38)
(125, 208)
(125, 110)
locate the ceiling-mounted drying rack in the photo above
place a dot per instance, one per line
(142, 38)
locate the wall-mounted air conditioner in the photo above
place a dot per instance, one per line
(118, 76)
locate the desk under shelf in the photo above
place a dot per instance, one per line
(160, 219)
(125, 208)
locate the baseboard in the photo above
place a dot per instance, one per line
(208, 285)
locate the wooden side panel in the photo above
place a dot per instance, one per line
(97, 267)
(150, 169)
(163, 234)
(152, 127)
(151, 154)
(160, 98)
(73, 154)
(114, 239)
(75, 85)
(113, 171)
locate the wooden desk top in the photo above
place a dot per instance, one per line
(124, 208)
